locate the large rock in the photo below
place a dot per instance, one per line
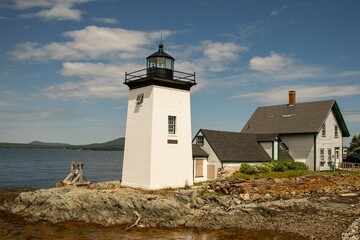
(97, 206)
(251, 204)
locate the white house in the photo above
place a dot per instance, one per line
(312, 131)
(158, 151)
(308, 132)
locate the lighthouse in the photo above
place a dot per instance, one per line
(158, 150)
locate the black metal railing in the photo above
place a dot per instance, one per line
(143, 73)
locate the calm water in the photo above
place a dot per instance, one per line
(27, 168)
(44, 168)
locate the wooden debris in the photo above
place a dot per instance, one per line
(137, 220)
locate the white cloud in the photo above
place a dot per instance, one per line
(90, 43)
(24, 4)
(29, 115)
(60, 12)
(278, 11)
(4, 103)
(272, 63)
(349, 74)
(54, 9)
(278, 67)
(303, 93)
(4, 18)
(207, 57)
(245, 31)
(352, 117)
(10, 98)
(98, 80)
(219, 51)
(105, 20)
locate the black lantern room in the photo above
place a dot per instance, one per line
(160, 64)
(160, 71)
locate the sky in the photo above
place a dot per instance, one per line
(63, 62)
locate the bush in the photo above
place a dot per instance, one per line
(354, 158)
(264, 168)
(248, 169)
(273, 166)
(298, 166)
(279, 166)
(283, 165)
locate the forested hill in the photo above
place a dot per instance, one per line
(114, 145)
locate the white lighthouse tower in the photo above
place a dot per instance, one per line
(158, 151)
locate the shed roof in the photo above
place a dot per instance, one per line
(300, 118)
(198, 151)
(235, 147)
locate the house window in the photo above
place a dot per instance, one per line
(322, 154)
(200, 141)
(336, 131)
(199, 168)
(329, 155)
(323, 130)
(171, 124)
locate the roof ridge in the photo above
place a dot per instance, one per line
(298, 103)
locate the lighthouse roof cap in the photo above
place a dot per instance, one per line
(161, 53)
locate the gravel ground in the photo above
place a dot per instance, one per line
(353, 232)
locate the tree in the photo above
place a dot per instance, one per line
(354, 145)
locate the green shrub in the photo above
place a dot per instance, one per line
(283, 165)
(264, 168)
(248, 169)
(293, 165)
(273, 166)
(279, 166)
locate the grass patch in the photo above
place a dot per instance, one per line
(289, 174)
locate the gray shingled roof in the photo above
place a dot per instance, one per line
(300, 118)
(198, 151)
(285, 155)
(266, 137)
(235, 147)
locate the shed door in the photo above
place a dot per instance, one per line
(210, 171)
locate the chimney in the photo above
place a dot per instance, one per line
(292, 98)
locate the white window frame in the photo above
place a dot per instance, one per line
(323, 130)
(171, 124)
(200, 140)
(329, 155)
(322, 154)
(139, 99)
(336, 131)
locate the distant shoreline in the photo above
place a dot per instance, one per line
(114, 145)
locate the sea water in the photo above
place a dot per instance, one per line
(34, 168)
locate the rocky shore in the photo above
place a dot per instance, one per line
(315, 207)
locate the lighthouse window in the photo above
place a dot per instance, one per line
(169, 64)
(140, 99)
(171, 124)
(160, 62)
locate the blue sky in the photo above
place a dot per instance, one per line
(62, 62)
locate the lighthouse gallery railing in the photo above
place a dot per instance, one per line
(143, 73)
